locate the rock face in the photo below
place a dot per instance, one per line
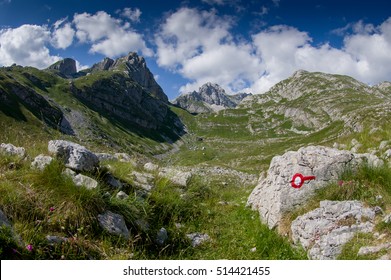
(274, 194)
(65, 67)
(325, 230)
(74, 155)
(209, 98)
(11, 150)
(114, 224)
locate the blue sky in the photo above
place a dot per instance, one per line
(241, 45)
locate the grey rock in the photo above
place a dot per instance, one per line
(383, 145)
(387, 154)
(73, 155)
(325, 230)
(12, 150)
(150, 167)
(69, 172)
(197, 239)
(113, 182)
(177, 177)
(373, 249)
(122, 195)
(143, 180)
(161, 237)
(387, 219)
(385, 257)
(52, 239)
(41, 161)
(274, 195)
(114, 224)
(106, 156)
(85, 181)
(65, 67)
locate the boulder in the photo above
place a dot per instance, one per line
(197, 239)
(41, 161)
(150, 167)
(87, 182)
(325, 230)
(274, 195)
(122, 195)
(74, 155)
(177, 177)
(367, 250)
(114, 224)
(143, 180)
(11, 150)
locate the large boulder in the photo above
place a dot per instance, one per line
(274, 195)
(325, 230)
(12, 150)
(73, 155)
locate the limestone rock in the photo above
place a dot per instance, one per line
(383, 145)
(150, 167)
(177, 177)
(373, 249)
(325, 230)
(65, 67)
(274, 195)
(41, 161)
(387, 154)
(114, 224)
(113, 182)
(197, 238)
(106, 156)
(11, 150)
(387, 219)
(122, 195)
(87, 182)
(73, 155)
(143, 180)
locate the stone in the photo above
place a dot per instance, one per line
(113, 182)
(177, 177)
(197, 239)
(106, 156)
(52, 239)
(367, 250)
(122, 195)
(274, 195)
(114, 224)
(387, 154)
(143, 180)
(385, 257)
(123, 157)
(41, 161)
(73, 155)
(85, 181)
(387, 219)
(253, 250)
(12, 150)
(325, 230)
(66, 67)
(161, 237)
(150, 167)
(383, 145)
(69, 172)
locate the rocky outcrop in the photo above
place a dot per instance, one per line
(274, 194)
(114, 224)
(66, 68)
(209, 98)
(73, 155)
(324, 231)
(11, 150)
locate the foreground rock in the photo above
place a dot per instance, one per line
(274, 194)
(114, 224)
(73, 155)
(12, 150)
(41, 161)
(325, 230)
(197, 239)
(177, 177)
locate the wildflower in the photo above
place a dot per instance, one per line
(51, 209)
(29, 247)
(340, 183)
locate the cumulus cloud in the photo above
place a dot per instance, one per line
(26, 45)
(63, 34)
(198, 45)
(201, 47)
(108, 35)
(132, 14)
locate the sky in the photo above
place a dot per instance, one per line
(244, 46)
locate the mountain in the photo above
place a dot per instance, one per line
(209, 98)
(115, 101)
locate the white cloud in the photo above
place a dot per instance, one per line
(62, 37)
(108, 35)
(132, 14)
(26, 45)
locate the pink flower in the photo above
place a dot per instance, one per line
(29, 247)
(340, 183)
(51, 209)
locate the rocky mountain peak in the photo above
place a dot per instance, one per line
(65, 67)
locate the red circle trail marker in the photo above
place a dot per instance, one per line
(298, 180)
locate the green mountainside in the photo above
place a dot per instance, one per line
(200, 168)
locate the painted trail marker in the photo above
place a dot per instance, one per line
(298, 180)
